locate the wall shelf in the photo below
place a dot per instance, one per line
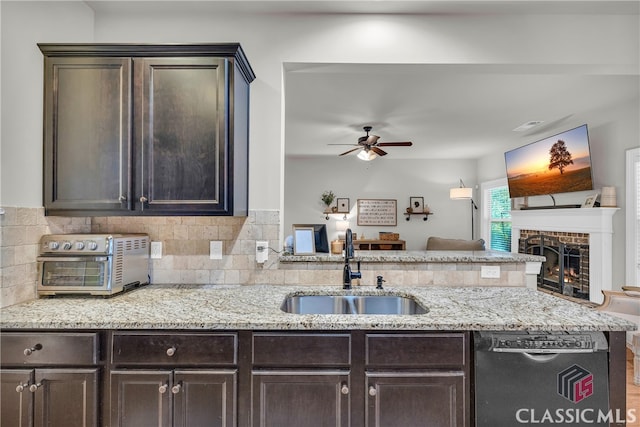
(425, 214)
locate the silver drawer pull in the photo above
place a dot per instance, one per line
(163, 388)
(29, 351)
(344, 389)
(176, 388)
(372, 391)
(34, 387)
(171, 351)
(20, 388)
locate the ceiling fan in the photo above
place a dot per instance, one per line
(370, 147)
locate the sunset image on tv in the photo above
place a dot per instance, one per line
(557, 164)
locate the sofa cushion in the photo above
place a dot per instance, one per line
(442, 244)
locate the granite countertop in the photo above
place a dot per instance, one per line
(212, 307)
(420, 256)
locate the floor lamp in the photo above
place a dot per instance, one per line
(464, 193)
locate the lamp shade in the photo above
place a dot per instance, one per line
(461, 193)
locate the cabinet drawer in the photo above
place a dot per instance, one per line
(416, 350)
(49, 348)
(174, 349)
(296, 350)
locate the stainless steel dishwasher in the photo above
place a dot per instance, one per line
(541, 378)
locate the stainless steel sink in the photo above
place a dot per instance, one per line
(352, 304)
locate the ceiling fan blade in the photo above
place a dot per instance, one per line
(353, 145)
(347, 152)
(378, 151)
(396, 144)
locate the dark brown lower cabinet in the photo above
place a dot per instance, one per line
(177, 398)
(301, 398)
(434, 399)
(49, 397)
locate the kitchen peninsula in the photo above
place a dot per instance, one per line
(144, 352)
(441, 268)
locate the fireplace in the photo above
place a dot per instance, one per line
(566, 269)
(595, 223)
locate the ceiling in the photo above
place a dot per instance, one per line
(446, 110)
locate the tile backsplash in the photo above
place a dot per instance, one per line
(21, 229)
(185, 241)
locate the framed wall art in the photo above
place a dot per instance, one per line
(343, 205)
(377, 212)
(416, 204)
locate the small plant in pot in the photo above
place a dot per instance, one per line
(327, 198)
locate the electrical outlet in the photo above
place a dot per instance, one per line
(262, 251)
(215, 249)
(156, 250)
(490, 271)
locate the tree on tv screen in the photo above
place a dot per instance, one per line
(559, 157)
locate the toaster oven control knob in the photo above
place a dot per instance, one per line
(79, 245)
(92, 245)
(53, 245)
(66, 246)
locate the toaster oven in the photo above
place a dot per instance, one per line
(92, 264)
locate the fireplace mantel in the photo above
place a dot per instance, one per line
(597, 222)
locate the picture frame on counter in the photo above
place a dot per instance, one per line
(303, 240)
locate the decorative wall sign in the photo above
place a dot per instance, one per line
(377, 212)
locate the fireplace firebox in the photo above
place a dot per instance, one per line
(566, 269)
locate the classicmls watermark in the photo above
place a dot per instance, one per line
(566, 416)
(574, 384)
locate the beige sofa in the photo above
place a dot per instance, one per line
(442, 244)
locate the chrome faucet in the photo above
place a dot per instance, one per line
(347, 274)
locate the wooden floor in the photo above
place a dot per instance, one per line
(633, 391)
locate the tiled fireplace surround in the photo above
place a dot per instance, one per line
(186, 254)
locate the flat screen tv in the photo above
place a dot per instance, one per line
(319, 236)
(557, 164)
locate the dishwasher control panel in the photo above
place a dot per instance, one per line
(541, 342)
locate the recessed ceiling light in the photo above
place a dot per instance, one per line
(528, 125)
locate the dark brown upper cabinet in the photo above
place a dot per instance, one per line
(146, 129)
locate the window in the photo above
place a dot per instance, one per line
(633, 218)
(496, 215)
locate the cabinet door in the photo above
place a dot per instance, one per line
(141, 398)
(300, 398)
(16, 404)
(434, 399)
(87, 142)
(204, 398)
(66, 397)
(182, 134)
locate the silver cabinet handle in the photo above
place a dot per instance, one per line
(171, 351)
(122, 199)
(20, 388)
(163, 388)
(143, 199)
(372, 391)
(29, 351)
(34, 387)
(176, 388)
(344, 389)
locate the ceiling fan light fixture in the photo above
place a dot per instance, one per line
(367, 155)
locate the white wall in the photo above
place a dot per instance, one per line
(24, 24)
(308, 178)
(271, 40)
